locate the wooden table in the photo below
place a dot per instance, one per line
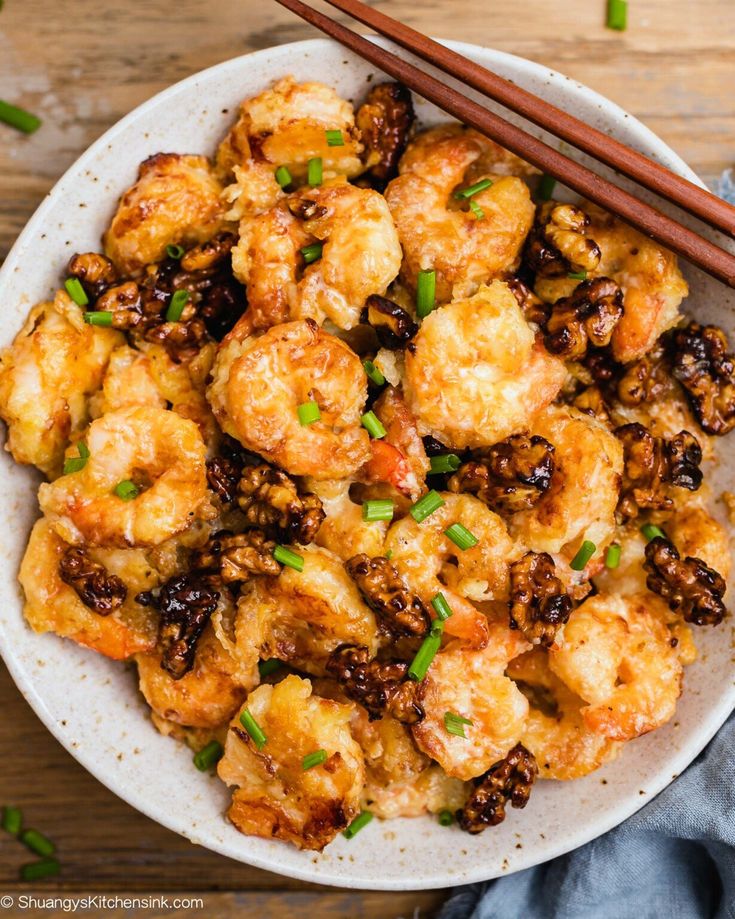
(81, 65)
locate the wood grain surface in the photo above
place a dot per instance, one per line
(81, 65)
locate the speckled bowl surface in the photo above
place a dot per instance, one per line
(91, 704)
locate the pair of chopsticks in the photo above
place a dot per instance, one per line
(697, 201)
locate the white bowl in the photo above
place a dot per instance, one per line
(91, 704)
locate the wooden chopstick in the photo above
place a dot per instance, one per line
(680, 239)
(651, 175)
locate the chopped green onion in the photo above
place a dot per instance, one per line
(314, 759)
(373, 373)
(425, 293)
(546, 187)
(424, 656)
(473, 189)
(308, 413)
(612, 556)
(175, 252)
(12, 820)
(477, 210)
(461, 536)
(37, 843)
(445, 462)
(18, 118)
(44, 868)
(425, 506)
(372, 423)
(177, 304)
(445, 818)
(98, 317)
(357, 824)
(76, 291)
(335, 139)
(378, 509)
(617, 15)
(265, 668)
(442, 609)
(577, 275)
(312, 253)
(76, 463)
(208, 756)
(437, 627)
(127, 490)
(288, 558)
(283, 176)
(651, 531)
(455, 723)
(314, 171)
(389, 554)
(585, 553)
(253, 728)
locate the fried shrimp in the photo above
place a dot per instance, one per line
(276, 797)
(161, 454)
(462, 247)
(492, 376)
(343, 531)
(259, 383)
(616, 654)
(472, 684)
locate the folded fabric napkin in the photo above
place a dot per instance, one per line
(674, 859)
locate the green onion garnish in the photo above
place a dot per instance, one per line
(12, 820)
(437, 627)
(617, 15)
(455, 723)
(40, 869)
(312, 253)
(253, 728)
(431, 502)
(477, 210)
(175, 252)
(612, 556)
(357, 824)
(577, 275)
(389, 554)
(378, 509)
(126, 490)
(37, 842)
(288, 558)
(445, 462)
(98, 317)
(425, 655)
(373, 373)
(314, 171)
(425, 293)
(308, 413)
(177, 304)
(283, 176)
(651, 531)
(76, 291)
(208, 756)
(265, 668)
(372, 424)
(314, 759)
(546, 187)
(461, 536)
(442, 609)
(76, 463)
(473, 189)
(335, 139)
(18, 118)
(445, 818)
(585, 553)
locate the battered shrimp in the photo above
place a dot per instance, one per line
(161, 453)
(616, 654)
(492, 375)
(694, 531)
(555, 732)
(175, 200)
(462, 247)
(46, 377)
(343, 531)
(259, 383)
(581, 502)
(276, 797)
(473, 685)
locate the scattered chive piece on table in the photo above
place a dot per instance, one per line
(208, 756)
(473, 189)
(44, 868)
(265, 668)
(314, 171)
(442, 609)
(288, 558)
(314, 759)
(372, 424)
(445, 462)
(308, 413)
(253, 728)
(378, 509)
(577, 275)
(617, 15)
(335, 139)
(612, 556)
(283, 176)
(425, 293)
(357, 824)
(373, 373)
(37, 843)
(76, 291)
(312, 253)
(477, 210)
(175, 252)
(461, 536)
(18, 118)
(546, 187)
(584, 554)
(424, 656)
(177, 304)
(651, 531)
(425, 506)
(98, 317)
(76, 463)
(12, 820)
(455, 723)
(127, 490)
(445, 818)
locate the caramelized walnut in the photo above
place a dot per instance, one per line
(237, 557)
(509, 476)
(393, 325)
(645, 380)
(509, 780)
(305, 208)
(209, 254)
(400, 612)
(270, 498)
(96, 588)
(558, 244)
(587, 317)
(384, 121)
(95, 271)
(689, 586)
(706, 370)
(382, 688)
(185, 604)
(539, 604)
(591, 401)
(534, 308)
